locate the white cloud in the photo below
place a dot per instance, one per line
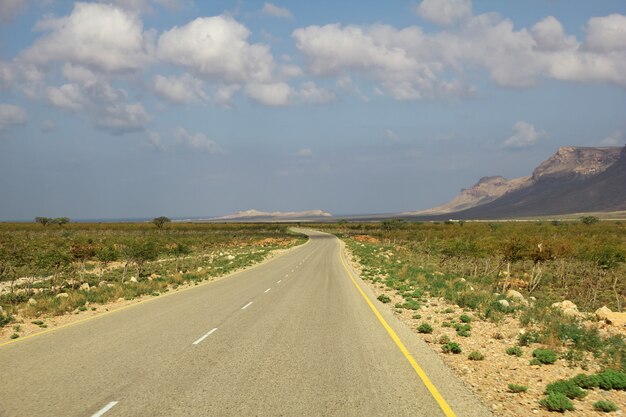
(145, 5)
(549, 35)
(216, 48)
(525, 136)
(614, 139)
(154, 142)
(309, 93)
(197, 142)
(276, 11)
(183, 89)
(605, 34)
(444, 12)
(224, 95)
(269, 94)
(10, 8)
(391, 135)
(11, 115)
(105, 106)
(99, 36)
(305, 153)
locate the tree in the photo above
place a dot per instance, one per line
(392, 224)
(60, 221)
(139, 253)
(106, 255)
(589, 220)
(82, 252)
(160, 222)
(44, 221)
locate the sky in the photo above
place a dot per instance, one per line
(183, 108)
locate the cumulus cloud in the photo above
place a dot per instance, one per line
(216, 48)
(99, 36)
(11, 115)
(444, 12)
(270, 9)
(269, 94)
(525, 135)
(105, 106)
(196, 142)
(183, 89)
(10, 8)
(145, 5)
(408, 64)
(310, 93)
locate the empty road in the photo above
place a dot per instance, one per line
(294, 336)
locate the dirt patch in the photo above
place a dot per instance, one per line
(366, 239)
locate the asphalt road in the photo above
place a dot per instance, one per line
(292, 337)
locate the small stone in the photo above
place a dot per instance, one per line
(504, 303)
(62, 295)
(102, 284)
(133, 279)
(514, 295)
(84, 286)
(603, 313)
(32, 301)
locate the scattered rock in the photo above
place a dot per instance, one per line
(617, 319)
(102, 284)
(504, 303)
(1, 309)
(230, 257)
(603, 313)
(514, 295)
(62, 295)
(568, 308)
(32, 301)
(84, 286)
(133, 279)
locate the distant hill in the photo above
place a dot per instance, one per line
(276, 216)
(573, 180)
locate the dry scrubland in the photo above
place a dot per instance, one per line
(50, 271)
(483, 295)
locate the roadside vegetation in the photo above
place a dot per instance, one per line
(53, 267)
(554, 281)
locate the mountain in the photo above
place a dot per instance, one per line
(484, 191)
(573, 180)
(276, 216)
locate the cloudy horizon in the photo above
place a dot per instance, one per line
(140, 108)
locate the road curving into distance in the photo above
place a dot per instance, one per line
(299, 335)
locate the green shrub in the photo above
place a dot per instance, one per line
(465, 318)
(417, 316)
(517, 388)
(514, 351)
(612, 379)
(528, 338)
(545, 356)
(557, 402)
(383, 298)
(425, 328)
(605, 406)
(4, 320)
(14, 336)
(535, 361)
(463, 329)
(444, 339)
(451, 347)
(586, 381)
(566, 387)
(448, 310)
(476, 356)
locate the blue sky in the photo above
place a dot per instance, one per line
(140, 108)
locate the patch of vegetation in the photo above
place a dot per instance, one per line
(383, 298)
(612, 379)
(514, 351)
(451, 347)
(465, 318)
(476, 356)
(425, 328)
(557, 402)
(517, 388)
(463, 330)
(545, 356)
(586, 381)
(443, 340)
(566, 387)
(605, 406)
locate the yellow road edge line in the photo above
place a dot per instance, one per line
(160, 297)
(445, 407)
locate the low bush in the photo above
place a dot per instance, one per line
(586, 381)
(451, 347)
(557, 402)
(566, 387)
(514, 351)
(425, 328)
(444, 339)
(545, 356)
(383, 298)
(476, 356)
(612, 379)
(463, 330)
(465, 318)
(528, 338)
(517, 388)
(605, 406)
